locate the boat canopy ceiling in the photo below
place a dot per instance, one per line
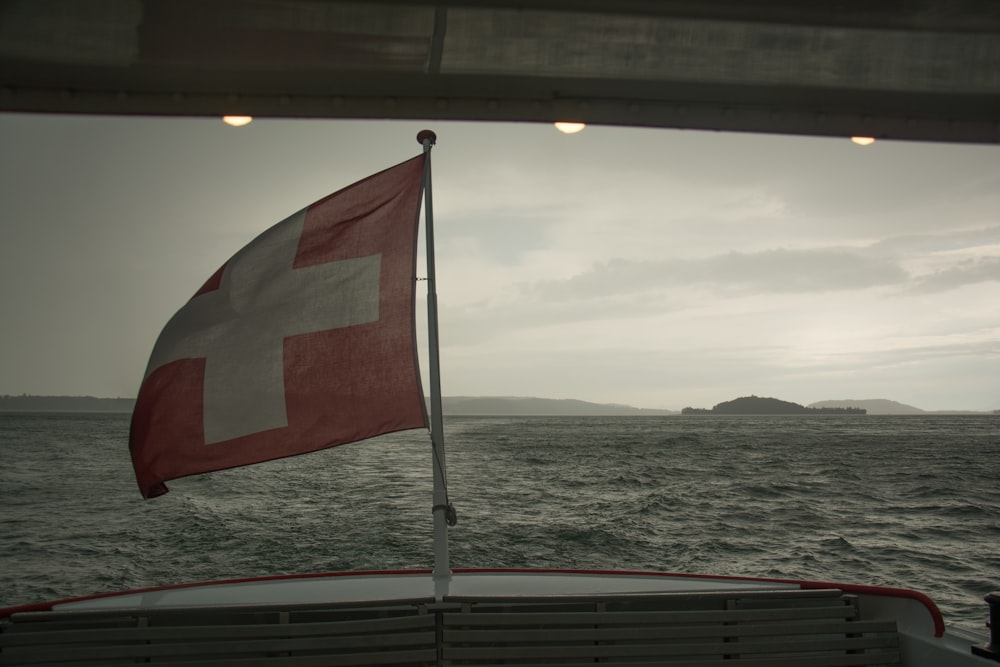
(905, 69)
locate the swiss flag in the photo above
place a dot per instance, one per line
(304, 340)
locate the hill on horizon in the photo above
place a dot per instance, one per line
(29, 403)
(763, 405)
(529, 406)
(471, 406)
(452, 405)
(874, 406)
(882, 406)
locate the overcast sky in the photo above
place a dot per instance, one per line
(655, 268)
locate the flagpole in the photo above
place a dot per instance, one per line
(443, 512)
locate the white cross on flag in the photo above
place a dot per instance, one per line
(303, 340)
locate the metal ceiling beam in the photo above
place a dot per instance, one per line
(927, 70)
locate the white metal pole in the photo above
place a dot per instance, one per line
(441, 509)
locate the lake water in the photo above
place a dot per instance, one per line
(907, 501)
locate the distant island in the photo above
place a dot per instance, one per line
(756, 405)
(883, 406)
(874, 406)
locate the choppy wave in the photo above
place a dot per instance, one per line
(901, 501)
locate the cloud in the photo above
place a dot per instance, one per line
(983, 239)
(969, 272)
(948, 260)
(770, 271)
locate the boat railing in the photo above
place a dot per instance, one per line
(763, 627)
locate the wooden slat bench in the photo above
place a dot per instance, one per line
(249, 636)
(791, 627)
(811, 628)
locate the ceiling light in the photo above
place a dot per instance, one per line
(237, 121)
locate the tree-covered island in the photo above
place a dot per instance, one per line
(757, 405)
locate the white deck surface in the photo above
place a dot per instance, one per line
(386, 587)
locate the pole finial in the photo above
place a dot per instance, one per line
(426, 135)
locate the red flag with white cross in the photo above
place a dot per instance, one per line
(304, 340)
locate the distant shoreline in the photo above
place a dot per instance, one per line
(454, 406)
(27, 403)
